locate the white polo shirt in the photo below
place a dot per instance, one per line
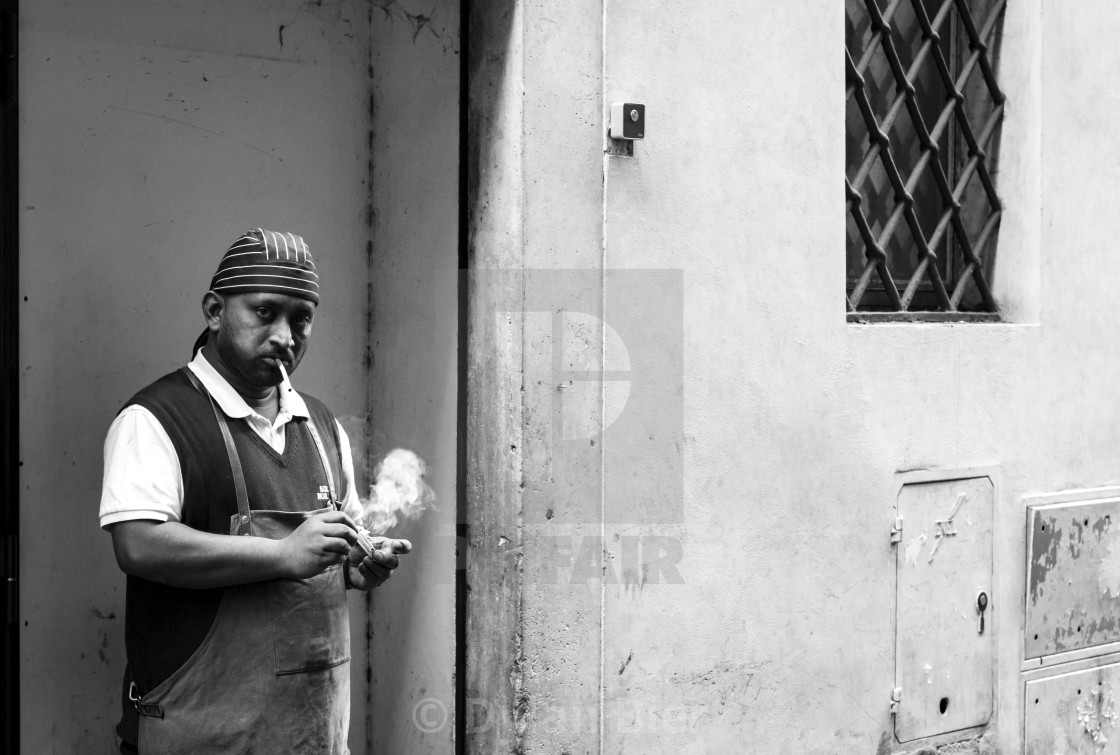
(142, 476)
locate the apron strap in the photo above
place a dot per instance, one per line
(244, 521)
(323, 458)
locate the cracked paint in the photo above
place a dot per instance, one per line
(418, 23)
(1044, 551)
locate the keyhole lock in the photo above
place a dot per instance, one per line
(982, 607)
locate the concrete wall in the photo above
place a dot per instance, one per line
(152, 134)
(535, 199)
(797, 426)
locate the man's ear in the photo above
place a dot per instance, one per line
(213, 305)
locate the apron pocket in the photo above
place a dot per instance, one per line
(309, 621)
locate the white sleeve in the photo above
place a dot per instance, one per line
(142, 477)
(351, 503)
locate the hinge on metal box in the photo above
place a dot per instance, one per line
(896, 531)
(10, 565)
(896, 699)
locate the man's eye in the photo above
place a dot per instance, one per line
(264, 312)
(302, 321)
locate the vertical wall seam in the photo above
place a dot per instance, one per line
(367, 424)
(520, 710)
(603, 383)
(462, 528)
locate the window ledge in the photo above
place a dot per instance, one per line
(927, 317)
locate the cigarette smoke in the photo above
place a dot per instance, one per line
(398, 491)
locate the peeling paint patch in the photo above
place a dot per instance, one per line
(914, 548)
(1108, 581)
(1045, 536)
(1096, 714)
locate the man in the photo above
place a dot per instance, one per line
(220, 494)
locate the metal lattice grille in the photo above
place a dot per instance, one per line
(922, 205)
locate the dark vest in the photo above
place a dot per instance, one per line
(165, 625)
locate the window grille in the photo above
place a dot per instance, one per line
(922, 209)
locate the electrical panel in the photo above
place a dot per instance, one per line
(1073, 577)
(944, 648)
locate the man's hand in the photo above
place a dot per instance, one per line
(321, 541)
(367, 573)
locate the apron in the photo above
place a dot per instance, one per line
(273, 674)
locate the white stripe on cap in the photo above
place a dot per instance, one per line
(259, 285)
(224, 270)
(225, 278)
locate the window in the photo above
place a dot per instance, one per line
(924, 112)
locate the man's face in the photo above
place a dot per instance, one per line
(252, 333)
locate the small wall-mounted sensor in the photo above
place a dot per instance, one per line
(628, 120)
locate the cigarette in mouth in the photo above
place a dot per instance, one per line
(283, 372)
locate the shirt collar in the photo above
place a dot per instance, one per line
(230, 401)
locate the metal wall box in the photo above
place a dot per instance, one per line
(628, 120)
(944, 644)
(1073, 576)
(1072, 713)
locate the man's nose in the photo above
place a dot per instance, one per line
(281, 334)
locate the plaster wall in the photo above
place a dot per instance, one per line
(797, 426)
(413, 369)
(152, 134)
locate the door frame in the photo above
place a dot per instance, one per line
(9, 368)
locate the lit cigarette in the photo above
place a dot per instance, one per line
(364, 542)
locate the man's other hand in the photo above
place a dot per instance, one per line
(368, 572)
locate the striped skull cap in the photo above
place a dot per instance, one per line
(268, 262)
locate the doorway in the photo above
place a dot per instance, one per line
(153, 135)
